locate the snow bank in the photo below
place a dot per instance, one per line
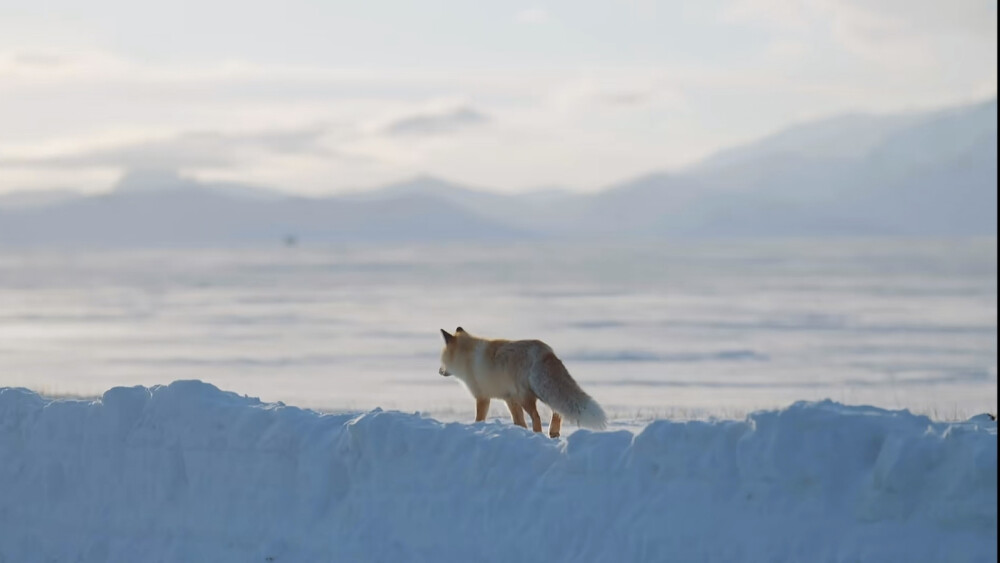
(186, 472)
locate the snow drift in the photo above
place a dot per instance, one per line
(186, 472)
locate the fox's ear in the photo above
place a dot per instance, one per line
(448, 338)
(459, 329)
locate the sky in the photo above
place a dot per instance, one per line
(319, 97)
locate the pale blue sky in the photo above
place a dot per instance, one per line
(326, 96)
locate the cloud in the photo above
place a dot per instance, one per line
(37, 59)
(532, 16)
(617, 90)
(917, 16)
(628, 98)
(897, 33)
(788, 50)
(973, 17)
(437, 122)
(922, 35)
(31, 66)
(785, 15)
(188, 150)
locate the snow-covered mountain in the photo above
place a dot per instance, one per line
(915, 174)
(931, 173)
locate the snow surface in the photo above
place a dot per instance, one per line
(186, 472)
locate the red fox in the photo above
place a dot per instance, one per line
(519, 372)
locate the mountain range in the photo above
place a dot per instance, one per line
(917, 174)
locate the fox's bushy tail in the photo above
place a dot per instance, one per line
(552, 383)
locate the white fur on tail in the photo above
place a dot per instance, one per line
(558, 390)
(592, 416)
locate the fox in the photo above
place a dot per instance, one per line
(520, 372)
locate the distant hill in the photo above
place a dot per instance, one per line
(188, 213)
(931, 174)
(845, 136)
(917, 174)
(148, 181)
(528, 211)
(36, 198)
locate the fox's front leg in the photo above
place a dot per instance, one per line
(482, 409)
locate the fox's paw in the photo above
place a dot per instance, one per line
(553, 434)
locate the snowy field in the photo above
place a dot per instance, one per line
(713, 360)
(682, 330)
(187, 472)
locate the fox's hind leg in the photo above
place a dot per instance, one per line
(555, 425)
(482, 409)
(536, 420)
(516, 413)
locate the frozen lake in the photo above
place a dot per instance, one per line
(679, 330)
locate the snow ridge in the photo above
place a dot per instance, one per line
(186, 472)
